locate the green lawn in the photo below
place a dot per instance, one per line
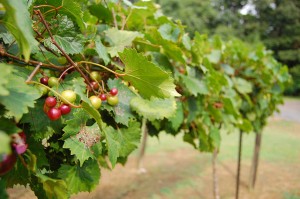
(280, 142)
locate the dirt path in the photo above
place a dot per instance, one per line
(186, 174)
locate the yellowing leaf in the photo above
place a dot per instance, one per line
(119, 39)
(155, 108)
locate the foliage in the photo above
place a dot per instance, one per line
(274, 23)
(195, 86)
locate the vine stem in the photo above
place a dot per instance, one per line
(38, 12)
(64, 72)
(215, 175)
(56, 93)
(237, 190)
(33, 72)
(255, 160)
(31, 62)
(23, 161)
(104, 67)
(143, 146)
(114, 17)
(149, 44)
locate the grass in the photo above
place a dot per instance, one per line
(280, 143)
(280, 146)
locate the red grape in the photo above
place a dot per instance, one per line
(114, 91)
(103, 97)
(65, 109)
(54, 114)
(50, 101)
(44, 80)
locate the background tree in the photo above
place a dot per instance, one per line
(279, 23)
(275, 23)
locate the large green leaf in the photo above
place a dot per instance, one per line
(242, 85)
(214, 56)
(122, 111)
(73, 9)
(75, 123)
(214, 134)
(21, 96)
(101, 12)
(80, 145)
(119, 39)
(101, 51)
(194, 85)
(8, 126)
(69, 44)
(169, 48)
(78, 149)
(19, 23)
(80, 178)
(149, 79)
(5, 70)
(4, 143)
(112, 145)
(54, 188)
(3, 193)
(177, 119)
(121, 142)
(155, 108)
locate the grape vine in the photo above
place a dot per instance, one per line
(79, 78)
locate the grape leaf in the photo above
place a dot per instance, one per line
(75, 123)
(4, 143)
(63, 26)
(194, 85)
(122, 111)
(5, 70)
(18, 175)
(214, 56)
(7, 37)
(69, 44)
(101, 12)
(214, 135)
(119, 39)
(129, 138)
(37, 149)
(19, 23)
(139, 15)
(242, 85)
(80, 178)
(245, 125)
(73, 9)
(169, 32)
(78, 149)
(149, 79)
(8, 126)
(121, 142)
(21, 96)
(155, 108)
(101, 51)
(3, 193)
(177, 119)
(112, 145)
(54, 188)
(170, 49)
